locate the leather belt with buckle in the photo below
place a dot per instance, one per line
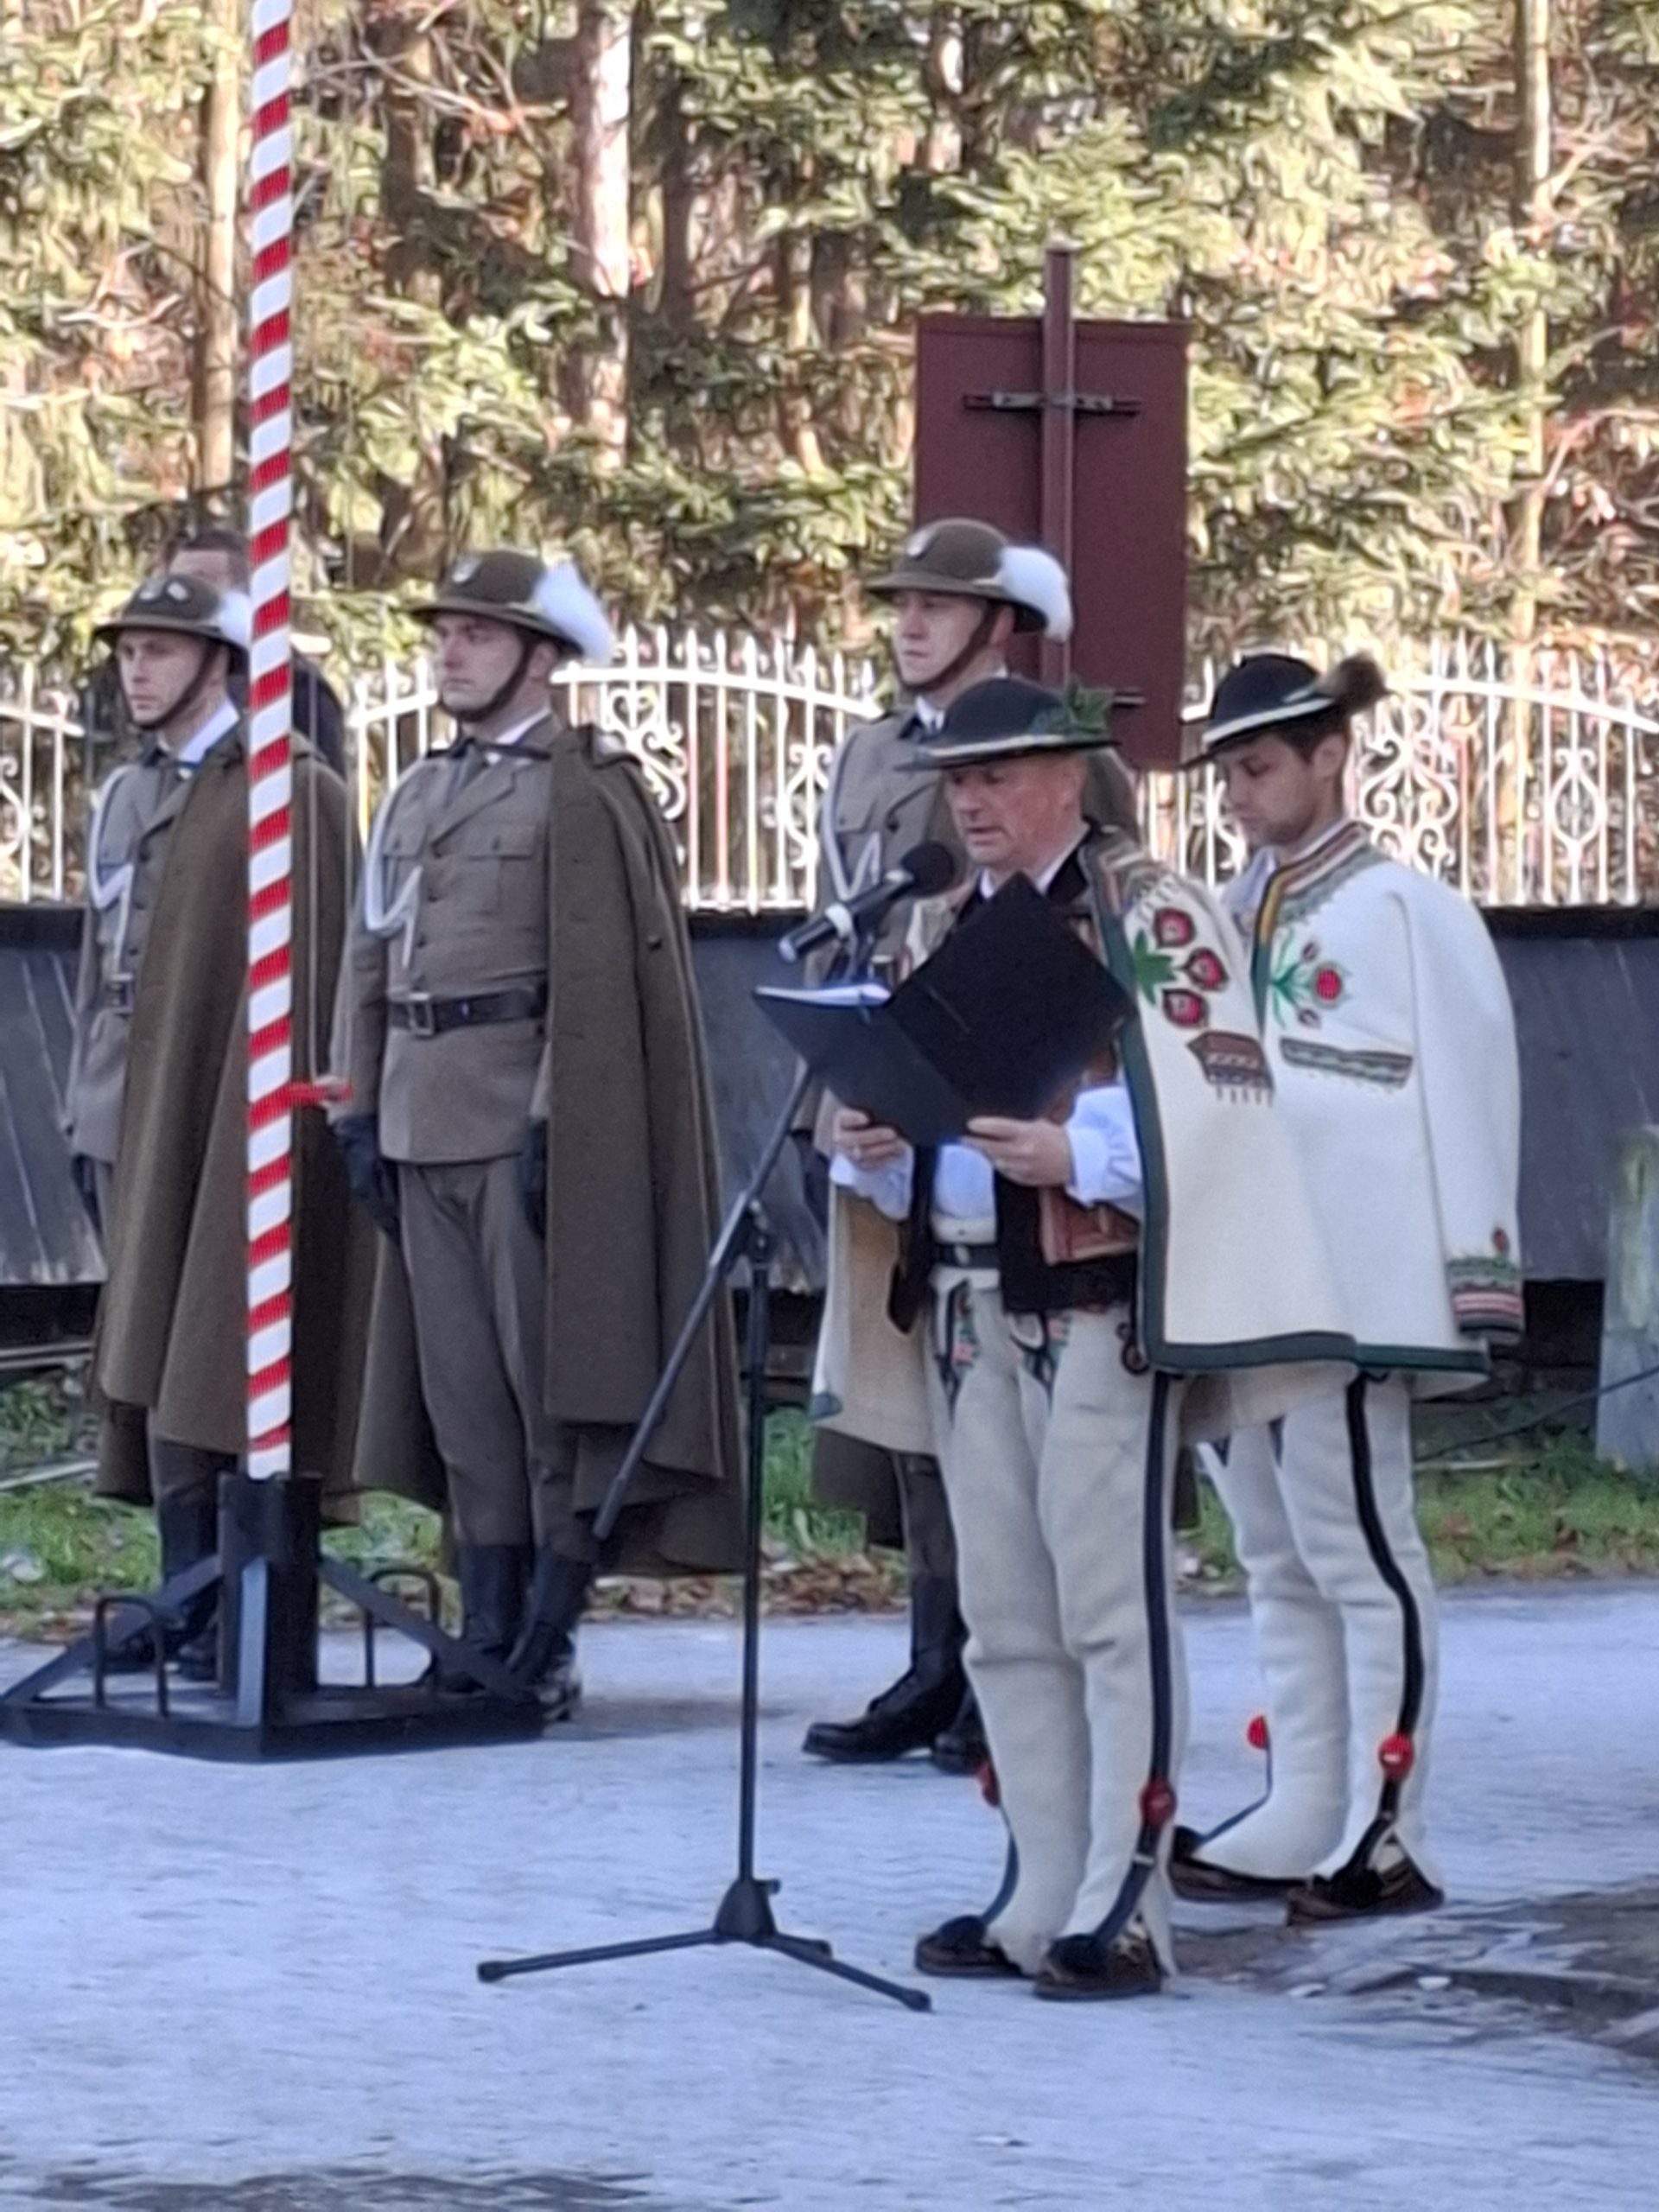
(117, 994)
(979, 1257)
(425, 1016)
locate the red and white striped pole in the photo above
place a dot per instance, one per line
(271, 849)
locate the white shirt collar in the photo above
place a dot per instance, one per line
(930, 716)
(515, 735)
(195, 749)
(1043, 879)
(1314, 844)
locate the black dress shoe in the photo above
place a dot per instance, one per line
(1362, 1892)
(1081, 1969)
(1200, 1884)
(962, 1749)
(961, 1948)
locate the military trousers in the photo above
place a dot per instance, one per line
(478, 1283)
(1057, 1449)
(1342, 1604)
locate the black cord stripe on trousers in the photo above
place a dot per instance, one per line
(1377, 1543)
(1155, 1587)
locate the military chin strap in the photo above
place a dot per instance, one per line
(978, 637)
(499, 698)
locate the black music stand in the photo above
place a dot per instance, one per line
(744, 1913)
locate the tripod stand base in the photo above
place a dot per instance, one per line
(745, 1916)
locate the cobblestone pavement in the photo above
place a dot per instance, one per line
(245, 1990)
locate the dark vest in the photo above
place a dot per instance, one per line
(1029, 1283)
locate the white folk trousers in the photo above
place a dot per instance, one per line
(1342, 1604)
(1057, 1457)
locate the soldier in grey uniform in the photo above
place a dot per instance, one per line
(178, 645)
(441, 1033)
(959, 591)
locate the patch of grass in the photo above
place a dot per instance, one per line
(1556, 1511)
(793, 1517)
(60, 1546)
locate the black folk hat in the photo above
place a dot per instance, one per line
(525, 593)
(1007, 718)
(974, 560)
(1269, 692)
(190, 607)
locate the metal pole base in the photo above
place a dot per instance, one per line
(745, 1916)
(268, 1703)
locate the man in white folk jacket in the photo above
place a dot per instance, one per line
(1391, 1039)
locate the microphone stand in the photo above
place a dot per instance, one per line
(744, 1913)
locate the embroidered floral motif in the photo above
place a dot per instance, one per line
(1233, 1064)
(1180, 987)
(1388, 1071)
(1134, 1360)
(1204, 970)
(1308, 985)
(957, 1347)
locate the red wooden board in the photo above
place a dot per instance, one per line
(1129, 550)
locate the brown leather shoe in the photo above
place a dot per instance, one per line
(1081, 1969)
(1362, 1893)
(1193, 1878)
(961, 1948)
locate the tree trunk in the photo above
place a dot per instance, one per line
(399, 34)
(1533, 208)
(679, 213)
(600, 114)
(215, 378)
(794, 278)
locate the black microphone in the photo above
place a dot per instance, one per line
(923, 871)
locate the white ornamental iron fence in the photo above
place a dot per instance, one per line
(1523, 781)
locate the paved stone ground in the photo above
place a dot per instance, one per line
(235, 1989)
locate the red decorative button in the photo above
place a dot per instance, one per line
(1257, 1735)
(1397, 1755)
(1157, 1804)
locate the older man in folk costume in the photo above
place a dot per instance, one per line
(529, 1121)
(1389, 1030)
(1049, 1306)
(960, 592)
(158, 1089)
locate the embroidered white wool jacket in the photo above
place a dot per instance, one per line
(1219, 1188)
(1391, 1038)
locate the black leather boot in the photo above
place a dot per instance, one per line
(962, 1749)
(544, 1657)
(187, 1523)
(493, 1579)
(922, 1703)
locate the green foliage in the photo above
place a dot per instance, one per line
(1323, 187)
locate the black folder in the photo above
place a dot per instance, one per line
(1009, 1010)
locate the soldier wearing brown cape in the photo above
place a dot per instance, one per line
(529, 1120)
(960, 593)
(168, 1367)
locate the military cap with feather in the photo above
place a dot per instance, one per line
(1007, 718)
(526, 594)
(189, 607)
(974, 560)
(1265, 692)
